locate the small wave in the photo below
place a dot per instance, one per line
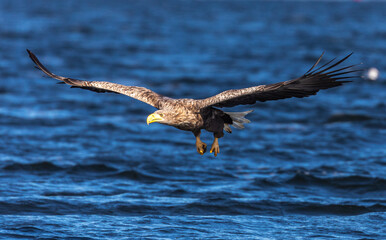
(265, 183)
(236, 207)
(97, 168)
(3, 90)
(345, 117)
(81, 194)
(137, 175)
(39, 166)
(346, 182)
(191, 80)
(333, 209)
(206, 206)
(28, 229)
(48, 167)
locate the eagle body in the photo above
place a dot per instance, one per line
(186, 114)
(197, 114)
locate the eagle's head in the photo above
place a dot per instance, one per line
(161, 116)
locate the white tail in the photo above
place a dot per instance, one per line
(238, 119)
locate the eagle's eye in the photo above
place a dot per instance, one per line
(161, 115)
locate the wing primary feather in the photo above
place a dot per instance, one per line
(341, 69)
(140, 93)
(342, 73)
(42, 68)
(310, 83)
(334, 65)
(326, 64)
(316, 63)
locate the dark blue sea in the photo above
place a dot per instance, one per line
(76, 164)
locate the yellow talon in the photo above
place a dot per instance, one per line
(201, 147)
(215, 147)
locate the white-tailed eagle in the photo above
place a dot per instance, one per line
(197, 114)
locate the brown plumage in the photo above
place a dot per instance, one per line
(194, 115)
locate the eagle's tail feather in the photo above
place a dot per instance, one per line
(238, 120)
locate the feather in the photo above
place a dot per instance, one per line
(307, 85)
(139, 93)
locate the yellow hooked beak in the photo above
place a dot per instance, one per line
(154, 117)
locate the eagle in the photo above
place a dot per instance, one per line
(197, 114)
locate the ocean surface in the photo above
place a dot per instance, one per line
(76, 164)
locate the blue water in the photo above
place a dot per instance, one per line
(75, 164)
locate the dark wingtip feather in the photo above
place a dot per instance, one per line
(326, 77)
(337, 74)
(34, 59)
(40, 66)
(309, 84)
(335, 64)
(316, 63)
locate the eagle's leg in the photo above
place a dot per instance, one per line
(215, 147)
(201, 146)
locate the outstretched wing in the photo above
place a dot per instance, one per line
(139, 93)
(308, 84)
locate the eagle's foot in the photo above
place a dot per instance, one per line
(201, 147)
(215, 147)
